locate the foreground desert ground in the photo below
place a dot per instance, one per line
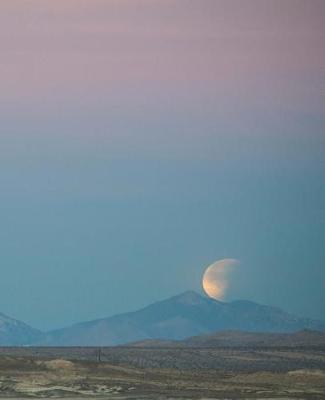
(163, 373)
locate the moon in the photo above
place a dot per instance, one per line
(215, 278)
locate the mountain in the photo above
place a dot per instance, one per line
(188, 314)
(301, 338)
(304, 338)
(16, 333)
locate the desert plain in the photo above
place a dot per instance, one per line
(163, 372)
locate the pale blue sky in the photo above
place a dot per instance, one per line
(127, 168)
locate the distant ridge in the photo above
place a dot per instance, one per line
(16, 333)
(185, 317)
(177, 318)
(304, 338)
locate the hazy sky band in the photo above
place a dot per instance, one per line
(78, 49)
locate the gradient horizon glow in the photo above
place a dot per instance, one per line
(142, 139)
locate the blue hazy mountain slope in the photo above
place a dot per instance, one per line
(16, 333)
(188, 314)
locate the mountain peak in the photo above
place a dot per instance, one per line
(179, 317)
(14, 332)
(190, 297)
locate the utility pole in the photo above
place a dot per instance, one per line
(99, 354)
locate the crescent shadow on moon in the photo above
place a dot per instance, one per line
(215, 278)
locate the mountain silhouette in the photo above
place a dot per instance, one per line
(179, 317)
(241, 339)
(16, 333)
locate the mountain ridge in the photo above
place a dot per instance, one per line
(240, 339)
(179, 317)
(17, 333)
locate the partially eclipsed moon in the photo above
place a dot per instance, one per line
(215, 282)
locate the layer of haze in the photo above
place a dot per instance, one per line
(141, 140)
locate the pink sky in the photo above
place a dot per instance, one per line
(131, 52)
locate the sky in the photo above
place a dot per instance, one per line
(142, 140)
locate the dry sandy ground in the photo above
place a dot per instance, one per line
(33, 376)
